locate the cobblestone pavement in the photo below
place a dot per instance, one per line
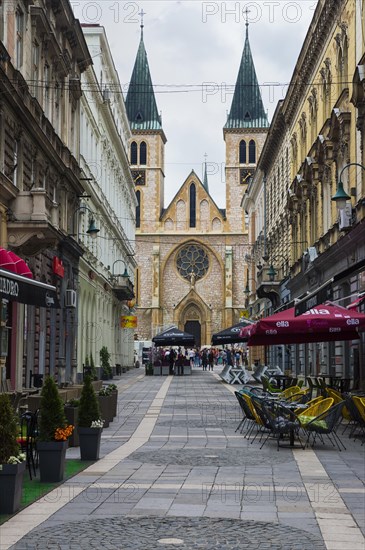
(192, 533)
(174, 473)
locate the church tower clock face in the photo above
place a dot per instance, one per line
(192, 259)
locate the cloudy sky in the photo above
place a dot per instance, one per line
(194, 50)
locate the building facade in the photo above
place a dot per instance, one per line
(110, 200)
(191, 254)
(42, 56)
(316, 139)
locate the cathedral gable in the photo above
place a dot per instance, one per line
(192, 208)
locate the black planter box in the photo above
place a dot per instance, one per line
(52, 456)
(90, 443)
(11, 485)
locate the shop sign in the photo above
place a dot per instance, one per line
(58, 268)
(26, 291)
(128, 321)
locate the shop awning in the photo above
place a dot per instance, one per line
(18, 288)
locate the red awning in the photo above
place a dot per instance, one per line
(10, 261)
(324, 323)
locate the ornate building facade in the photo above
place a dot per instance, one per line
(316, 140)
(191, 255)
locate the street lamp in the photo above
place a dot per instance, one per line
(92, 229)
(271, 273)
(125, 275)
(341, 197)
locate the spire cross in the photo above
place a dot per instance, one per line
(205, 158)
(247, 11)
(142, 13)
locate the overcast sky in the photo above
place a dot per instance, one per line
(194, 50)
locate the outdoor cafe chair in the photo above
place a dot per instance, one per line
(279, 421)
(360, 406)
(356, 420)
(337, 397)
(314, 411)
(325, 423)
(258, 422)
(310, 403)
(247, 414)
(27, 439)
(268, 387)
(289, 391)
(301, 397)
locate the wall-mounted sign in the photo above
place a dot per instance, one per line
(16, 288)
(128, 321)
(58, 268)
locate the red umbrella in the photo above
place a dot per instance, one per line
(6, 261)
(320, 324)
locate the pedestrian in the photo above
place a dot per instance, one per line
(204, 359)
(210, 359)
(171, 361)
(180, 364)
(229, 357)
(197, 358)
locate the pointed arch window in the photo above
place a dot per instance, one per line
(243, 154)
(252, 152)
(134, 153)
(138, 209)
(143, 153)
(192, 204)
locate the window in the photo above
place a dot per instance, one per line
(15, 162)
(47, 87)
(252, 152)
(143, 153)
(138, 209)
(19, 32)
(243, 156)
(192, 200)
(192, 259)
(134, 153)
(35, 68)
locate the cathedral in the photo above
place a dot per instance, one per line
(191, 254)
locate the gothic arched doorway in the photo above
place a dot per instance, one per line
(194, 327)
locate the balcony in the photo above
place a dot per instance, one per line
(122, 287)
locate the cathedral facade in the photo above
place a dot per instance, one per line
(191, 254)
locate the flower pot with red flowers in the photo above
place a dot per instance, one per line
(53, 434)
(12, 461)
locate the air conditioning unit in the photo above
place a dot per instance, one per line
(70, 298)
(345, 217)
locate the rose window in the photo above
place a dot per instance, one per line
(192, 262)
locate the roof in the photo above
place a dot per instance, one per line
(141, 102)
(247, 109)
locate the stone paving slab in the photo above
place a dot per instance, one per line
(202, 483)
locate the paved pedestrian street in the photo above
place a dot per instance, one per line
(175, 474)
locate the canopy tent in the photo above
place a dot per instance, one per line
(230, 335)
(324, 323)
(174, 337)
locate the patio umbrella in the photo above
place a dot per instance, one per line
(324, 323)
(230, 335)
(174, 337)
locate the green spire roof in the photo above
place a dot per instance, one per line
(247, 109)
(140, 102)
(205, 179)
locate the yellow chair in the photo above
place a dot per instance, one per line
(337, 397)
(310, 403)
(315, 410)
(289, 392)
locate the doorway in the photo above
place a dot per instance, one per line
(194, 327)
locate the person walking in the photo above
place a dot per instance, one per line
(210, 359)
(204, 359)
(171, 360)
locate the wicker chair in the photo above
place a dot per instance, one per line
(279, 422)
(315, 410)
(326, 423)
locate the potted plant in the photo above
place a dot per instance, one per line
(53, 433)
(12, 461)
(72, 416)
(114, 393)
(105, 363)
(90, 423)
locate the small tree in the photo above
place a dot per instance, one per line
(8, 430)
(52, 415)
(105, 361)
(92, 365)
(89, 406)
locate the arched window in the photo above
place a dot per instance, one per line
(138, 209)
(192, 199)
(252, 152)
(134, 153)
(243, 155)
(143, 153)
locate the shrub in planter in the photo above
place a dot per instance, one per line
(105, 363)
(90, 423)
(11, 460)
(53, 433)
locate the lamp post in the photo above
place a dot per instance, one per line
(125, 275)
(92, 229)
(247, 290)
(341, 197)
